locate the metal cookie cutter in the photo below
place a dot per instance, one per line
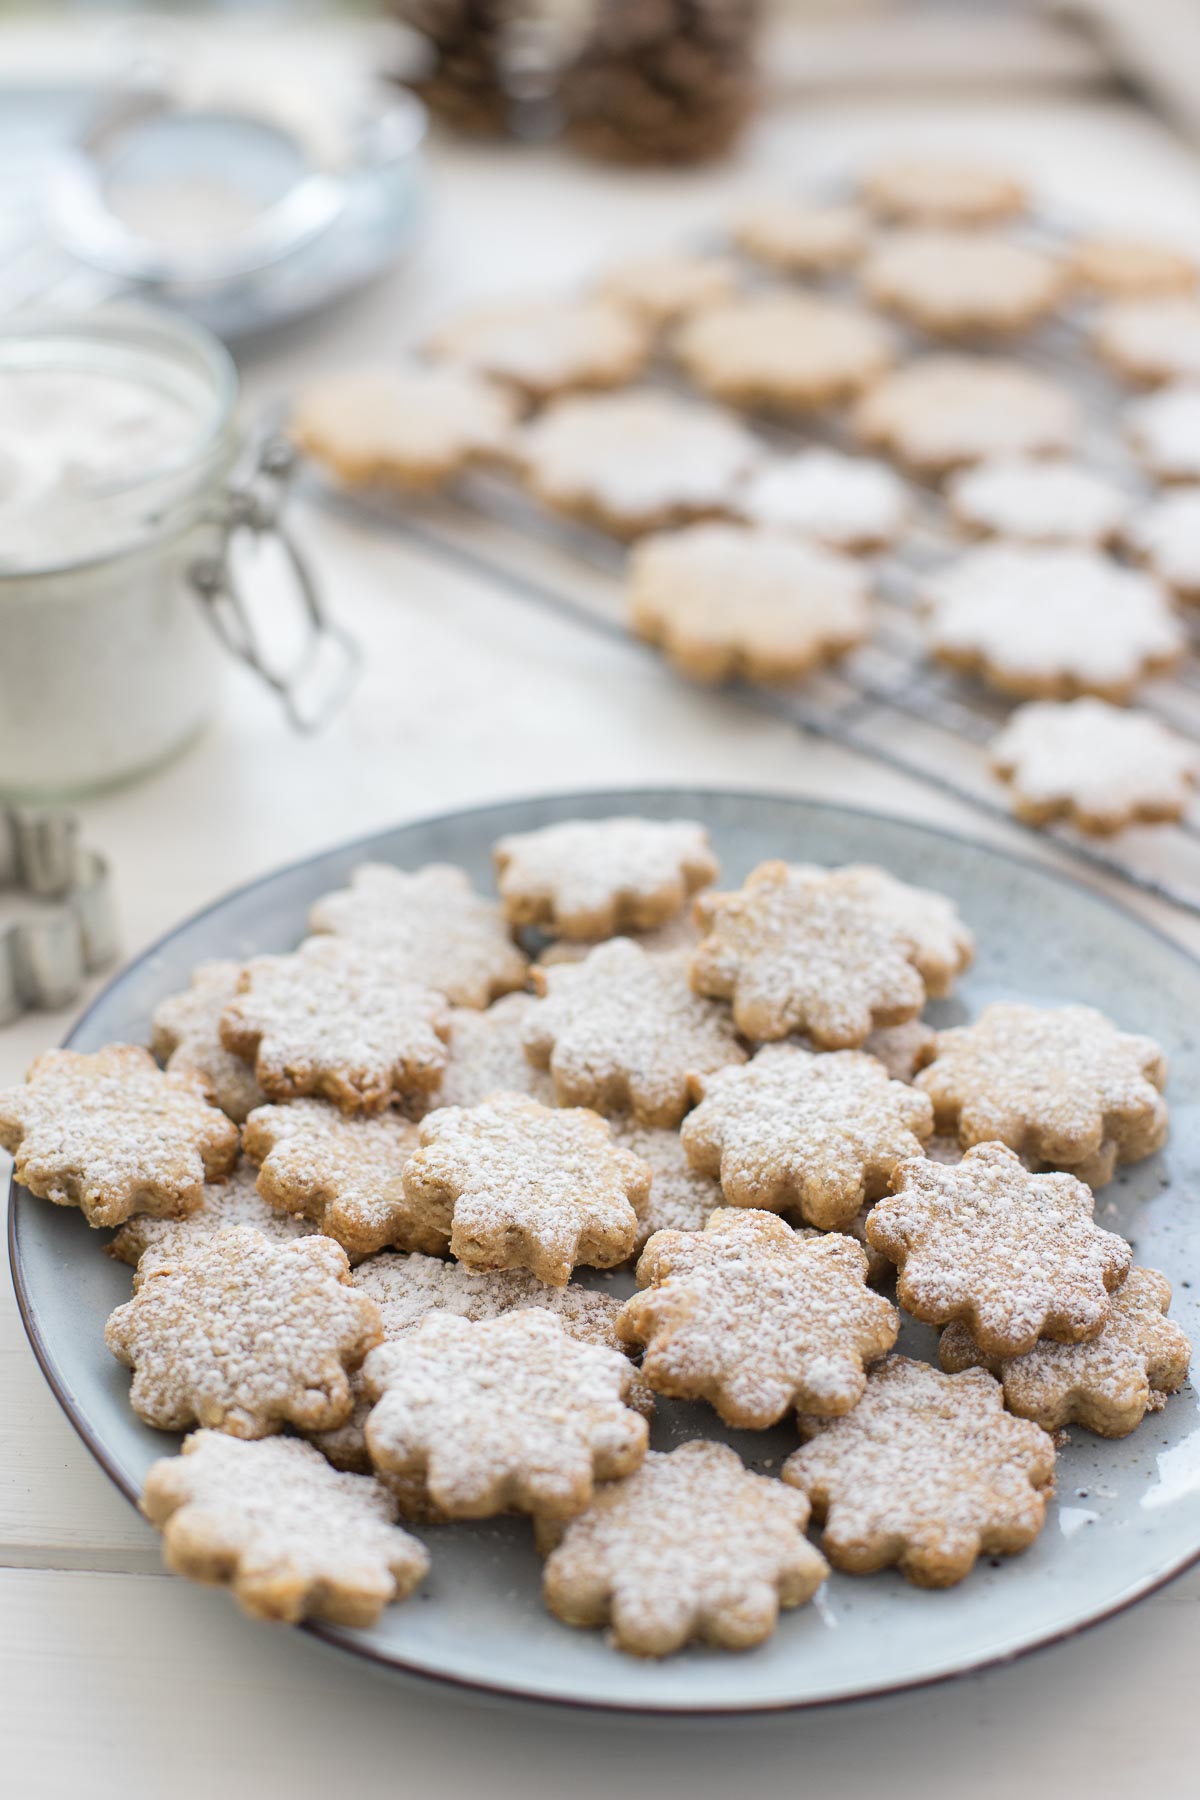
(46, 956)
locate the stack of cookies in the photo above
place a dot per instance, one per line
(890, 326)
(358, 1183)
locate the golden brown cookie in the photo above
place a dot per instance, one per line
(755, 1318)
(784, 351)
(591, 878)
(743, 602)
(1101, 767)
(242, 1334)
(113, 1135)
(233, 1201)
(412, 426)
(800, 237)
(941, 190)
(902, 1049)
(343, 1173)
(1164, 430)
(290, 1536)
(435, 928)
(487, 1054)
(1038, 500)
(509, 1414)
(340, 1020)
(681, 1198)
(544, 347)
(820, 1134)
(1058, 1084)
(1015, 1256)
(681, 933)
(943, 946)
(844, 502)
(522, 1186)
(692, 1547)
(666, 286)
(959, 283)
(1151, 341)
(1122, 268)
(927, 1474)
(623, 1032)
(1108, 1384)
(939, 412)
(187, 1035)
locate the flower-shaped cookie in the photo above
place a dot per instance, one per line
(942, 946)
(623, 1032)
(506, 1414)
(410, 426)
(1014, 1255)
(926, 1474)
(817, 1133)
(1166, 535)
(1128, 268)
(1039, 500)
(590, 878)
(435, 928)
(926, 191)
(242, 1334)
(1151, 340)
(1059, 1084)
(668, 286)
(844, 502)
(939, 412)
(798, 236)
(691, 1547)
(339, 1020)
(113, 1135)
(958, 283)
(1109, 1384)
(542, 347)
(523, 1186)
(1100, 766)
(728, 602)
(289, 1535)
(234, 1201)
(681, 1198)
(755, 1318)
(487, 1055)
(783, 350)
(801, 949)
(343, 1173)
(1164, 430)
(187, 1035)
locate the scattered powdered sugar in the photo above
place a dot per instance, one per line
(1108, 1384)
(1039, 500)
(845, 502)
(235, 1201)
(1156, 339)
(543, 345)
(940, 411)
(242, 1334)
(692, 1546)
(291, 1536)
(343, 1173)
(1099, 765)
(623, 1031)
(927, 1473)
(821, 1133)
(1164, 429)
(187, 1035)
(1167, 534)
(755, 1318)
(113, 1135)
(436, 929)
(411, 424)
(681, 1198)
(342, 1020)
(589, 878)
(487, 1055)
(503, 1413)
(961, 281)
(1015, 1256)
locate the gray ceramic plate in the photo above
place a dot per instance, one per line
(1127, 1515)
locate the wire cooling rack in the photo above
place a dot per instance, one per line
(888, 699)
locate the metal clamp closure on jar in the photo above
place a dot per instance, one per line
(46, 957)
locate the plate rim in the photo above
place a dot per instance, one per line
(496, 1691)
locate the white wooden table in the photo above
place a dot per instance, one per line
(118, 1681)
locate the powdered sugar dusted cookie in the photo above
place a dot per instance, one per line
(242, 1334)
(1109, 1384)
(958, 282)
(755, 1318)
(681, 1198)
(666, 286)
(113, 1135)
(1038, 500)
(1164, 429)
(691, 1547)
(187, 1035)
(623, 1032)
(1014, 1255)
(527, 1187)
(487, 1054)
(413, 426)
(291, 1537)
(943, 946)
(939, 412)
(797, 949)
(680, 933)
(1099, 766)
(821, 1134)
(943, 190)
(635, 461)
(435, 928)
(925, 1475)
(845, 502)
(737, 601)
(343, 1173)
(507, 1414)
(800, 237)
(1059, 1084)
(234, 1201)
(1052, 623)
(1123, 268)
(784, 350)
(590, 878)
(341, 1020)
(1167, 537)
(1151, 340)
(542, 347)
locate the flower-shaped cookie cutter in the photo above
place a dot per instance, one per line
(47, 954)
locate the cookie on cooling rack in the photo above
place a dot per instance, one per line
(1151, 341)
(1100, 767)
(1166, 536)
(666, 286)
(844, 502)
(1039, 500)
(961, 283)
(941, 190)
(1127, 268)
(939, 412)
(544, 347)
(411, 426)
(784, 351)
(798, 236)
(1164, 430)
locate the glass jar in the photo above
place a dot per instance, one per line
(119, 510)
